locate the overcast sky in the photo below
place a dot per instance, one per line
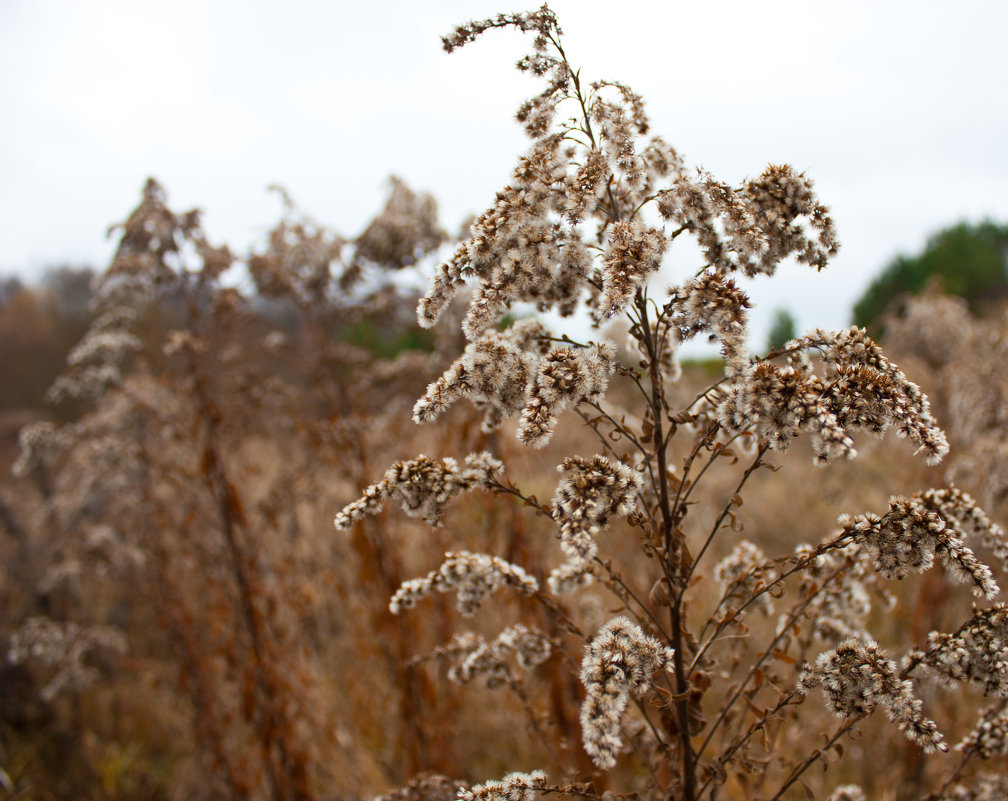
(898, 110)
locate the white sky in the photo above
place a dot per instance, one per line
(898, 110)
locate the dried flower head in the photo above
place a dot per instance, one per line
(477, 657)
(302, 261)
(513, 787)
(848, 792)
(569, 577)
(618, 662)
(634, 252)
(63, 646)
(880, 393)
(988, 787)
(406, 230)
(961, 511)
(472, 575)
(990, 737)
(494, 373)
(40, 443)
(859, 391)
(714, 303)
(425, 787)
(518, 248)
(778, 200)
(977, 652)
(907, 537)
(741, 574)
(423, 487)
(836, 581)
(582, 187)
(563, 378)
(779, 403)
(856, 677)
(590, 493)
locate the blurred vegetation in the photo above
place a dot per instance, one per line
(41, 323)
(167, 548)
(384, 341)
(782, 330)
(38, 327)
(971, 261)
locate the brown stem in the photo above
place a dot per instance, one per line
(727, 508)
(616, 579)
(291, 780)
(516, 687)
(676, 609)
(767, 652)
(727, 620)
(968, 754)
(756, 726)
(817, 754)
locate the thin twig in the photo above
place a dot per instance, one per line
(818, 753)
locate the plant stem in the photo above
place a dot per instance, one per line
(815, 755)
(671, 546)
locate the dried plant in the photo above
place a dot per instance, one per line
(965, 355)
(173, 497)
(685, 694)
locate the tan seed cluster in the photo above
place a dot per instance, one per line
(856, 677)
(479, 658)
(423, 487)
(563, 377)
(859, 390)
(634, 252)
(513, 787)
(906, 538)
(849, 792)
(990, 737)
(714, 303)
(618, 663)
(977, 653)
(741, 574)
(472, 575)
(591, 492)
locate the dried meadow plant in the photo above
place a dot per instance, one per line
(179, 508)
(685, 693)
